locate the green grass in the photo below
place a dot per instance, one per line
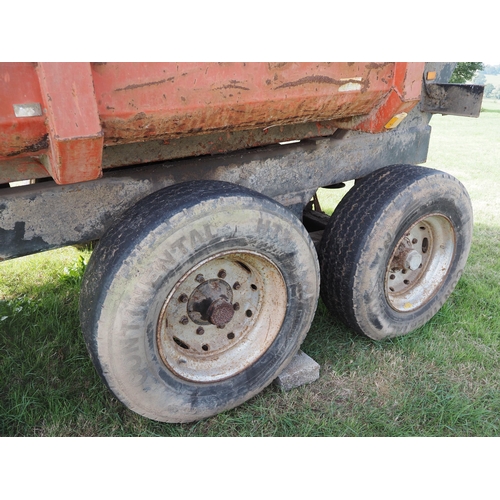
(441, 380)
(490, 105)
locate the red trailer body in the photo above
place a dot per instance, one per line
(80, 108)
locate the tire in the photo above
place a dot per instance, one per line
(197, 298)
(394, 249)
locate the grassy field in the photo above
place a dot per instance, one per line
(493, 79)
(441, 380)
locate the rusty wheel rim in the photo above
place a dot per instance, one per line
(221, 316)
(420, 263)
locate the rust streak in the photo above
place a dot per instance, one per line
(33, 148)
(275, 65)
(232, 87)
(376, 66)
(139, 85)
(316, 79)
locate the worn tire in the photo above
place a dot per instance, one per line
(156, 333)
(394, 249)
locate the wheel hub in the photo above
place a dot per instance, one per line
(221, 316)
(420, 263)
(413, 260)
(210, 303)
(220, 312)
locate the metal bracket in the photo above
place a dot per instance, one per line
(452, 99)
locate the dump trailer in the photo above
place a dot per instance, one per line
(199, 182)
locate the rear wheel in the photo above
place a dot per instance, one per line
(394, 249)
(197, 298)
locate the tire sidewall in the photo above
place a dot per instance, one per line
(375, 316)
(137, 284)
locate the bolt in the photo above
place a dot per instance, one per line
(183, 298)
(236, 306)
(236, 286)
(200, 330)
(222, 274)
(184, 320)
(199, 278)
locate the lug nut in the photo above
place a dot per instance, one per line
(222, 274)
(200, 330)
(184, 320)
(183, 298)
(236, 286)
(236, 306)
(200, 278)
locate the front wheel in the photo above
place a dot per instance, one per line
(394, 249)
(197, 298)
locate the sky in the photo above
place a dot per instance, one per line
(223, 30)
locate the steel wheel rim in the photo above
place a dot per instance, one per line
(420, 263)
(193, 338)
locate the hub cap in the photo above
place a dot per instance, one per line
(420, 263)
(221, 316)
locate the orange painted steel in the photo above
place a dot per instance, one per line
(75, 134)
(20, 136)
(88, 106)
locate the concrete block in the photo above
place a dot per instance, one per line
(301, 370)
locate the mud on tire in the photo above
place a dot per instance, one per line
(394, 249)
(197, 298)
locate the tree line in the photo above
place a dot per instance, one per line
(480, 79)
(476, 72)
(491, 69)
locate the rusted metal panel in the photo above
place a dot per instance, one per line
(144, 100)
(210, 144)
(136, 103)
(453, 99)
(183, 147)
(76, 138)
(400, 100)
(44, 216)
